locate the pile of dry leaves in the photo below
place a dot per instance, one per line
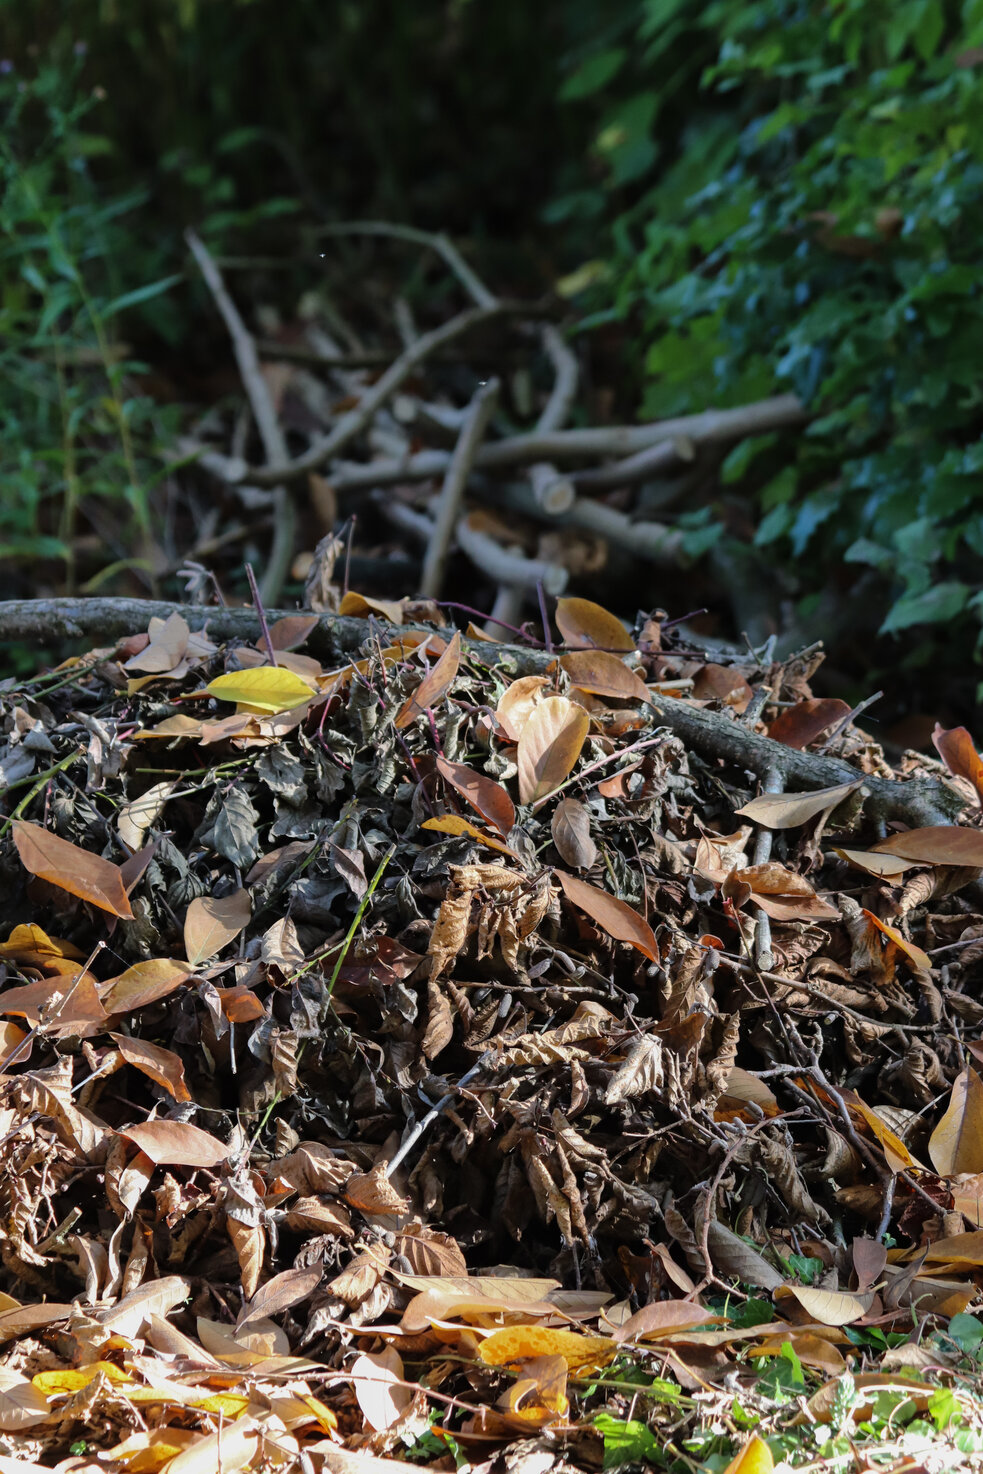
(436, 1053)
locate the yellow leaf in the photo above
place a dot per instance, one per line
(896, 1154)
(269, 688)
(55, 1384)
(956, 1144)
(454, 824)
(518, 1343)
(915, 955)
(754, 1458)
(229, 1404)
(30, 939)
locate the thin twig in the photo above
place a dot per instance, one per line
(771, 783)
(414, 1136)
(354, 422)
(440, 243)
(264, 413)
(260, 614)
(472, 433)
(851, 716)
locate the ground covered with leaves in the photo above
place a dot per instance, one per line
(519, 1057)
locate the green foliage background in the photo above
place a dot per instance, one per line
(753, 195)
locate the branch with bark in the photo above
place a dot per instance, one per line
(713, 735)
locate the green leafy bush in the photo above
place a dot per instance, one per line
(811, 220)
(78, 434)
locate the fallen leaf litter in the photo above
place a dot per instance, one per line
(395, 1046)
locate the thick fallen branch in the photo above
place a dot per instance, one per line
(355, 421)
(712, 734)
(577, 445)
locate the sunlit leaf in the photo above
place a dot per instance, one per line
(434, 686)
(616, 917)
(212, 922)
(78, 871)
(585, 625)
(177, 1143)
(267, 688)
(456, 824)
(514, 1344)
(956, 1144)
(142, 984)
(549, 746)
(486, 797)
(604, 674)
(754, 1458)
(789, 810)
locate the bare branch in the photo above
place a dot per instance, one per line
(715, 735)
(440, 243)
(355, 421)
(505, 567)
(472, 433)
(580, 445)
(264, 413)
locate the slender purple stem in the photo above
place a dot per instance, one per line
(261, 612)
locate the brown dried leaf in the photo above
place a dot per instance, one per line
(211, 923)
(829, 1307)
(372, 1192)
(883, 866)
(938, 844)
(956, 1144)
(161, 1065)
(549, 746)
(292, 630)
(570, 828)
(585, 625)
(486, 797)
(177, 1143)
(431, 1253)
(434, 686)
(168, 643)
(789, 810)
(442, 1297)
(663, 1317)
(450, 932)
(958, 751)
(603, 674)
(280, 1293)
(804, 722)
(615, 917)
(75, 870)
(722, 683)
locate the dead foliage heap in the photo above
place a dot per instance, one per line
(428, 1058)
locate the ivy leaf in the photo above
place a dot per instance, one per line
(941, 602)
